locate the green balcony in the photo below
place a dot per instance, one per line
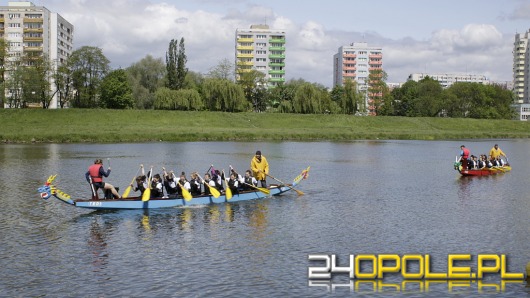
(277, 56)
(277, 80)
(276, 48)
(272, 64)
(277, 72)
(277, 40)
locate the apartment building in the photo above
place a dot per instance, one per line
(29, 28)
(355, 62)
(520, 67)
(262, 49)
(447, 80)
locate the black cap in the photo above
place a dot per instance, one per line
(258, 152)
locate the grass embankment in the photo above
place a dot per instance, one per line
(80, 125)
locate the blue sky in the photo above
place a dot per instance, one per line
(466, 36)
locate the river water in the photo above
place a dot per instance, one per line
(364, 197)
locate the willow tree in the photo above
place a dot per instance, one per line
(311, 99)
(223, 95)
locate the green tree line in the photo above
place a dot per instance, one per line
(86, 80)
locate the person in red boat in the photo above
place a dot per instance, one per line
(95, 174)
(464, 156)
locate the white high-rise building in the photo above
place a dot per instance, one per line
(262, 49)
(29, 28)
(520, 67)
(447, 79)
(355, 62)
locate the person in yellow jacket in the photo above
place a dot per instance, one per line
(496, 152)
(260, 167)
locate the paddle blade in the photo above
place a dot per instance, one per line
(228, 193)
(146, 195)
(299, 192)
(215, 193)
(186, 194)
(126, 192)
(264, 190)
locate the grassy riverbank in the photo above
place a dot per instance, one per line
(80, 125)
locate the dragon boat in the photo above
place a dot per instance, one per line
(50, 189)
(481, 172)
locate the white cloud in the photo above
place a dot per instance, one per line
(127, 31)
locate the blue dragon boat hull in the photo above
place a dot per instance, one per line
(49, 190)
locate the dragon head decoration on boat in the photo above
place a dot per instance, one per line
(47, 189)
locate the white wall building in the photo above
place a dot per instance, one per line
(354, 62)
(447, 80)
(262, 49)
(520, 67)
(30, 28)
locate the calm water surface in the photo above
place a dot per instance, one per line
(366, 197)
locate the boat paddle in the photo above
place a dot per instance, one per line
(185, 193)
(297, 191)
(228, 191)
(215, 193)
(94, 195)
(128, 189)
(263, 190)
(147, 192)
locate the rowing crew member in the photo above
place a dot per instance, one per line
(95, 175)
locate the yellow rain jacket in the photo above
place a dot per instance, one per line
(256, 166)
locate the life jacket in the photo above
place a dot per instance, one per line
(195, 187)
(93, 170)
(465, 153)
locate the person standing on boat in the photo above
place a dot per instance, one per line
(95, 175)
(496, 152)
(464, 156)
(260, 168)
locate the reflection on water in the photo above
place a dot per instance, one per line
(371, 197)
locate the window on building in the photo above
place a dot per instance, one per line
(14, 15)
(14, 25)
(261, 36)
(260, 52)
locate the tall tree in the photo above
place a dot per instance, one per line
(182, 70)
(377, 89)
(116, 92)
(171, 65)
(176, 64)
(4, 66)
(88, 66)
